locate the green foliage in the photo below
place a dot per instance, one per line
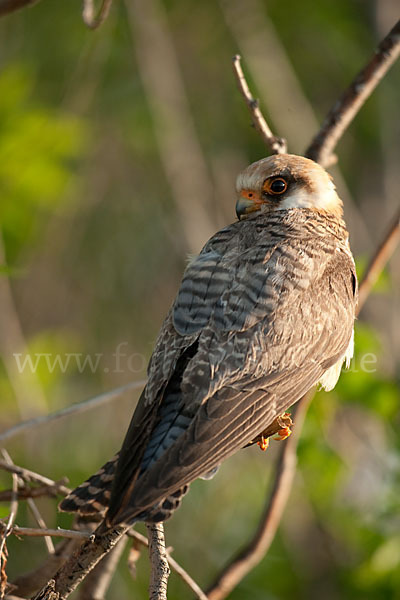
(39, 148)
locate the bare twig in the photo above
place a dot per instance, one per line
(257, 547)
(31, 503)
(378, 261)
(7, 529)
(74, 409)
(26, 492)
(277, 145)
(28, 475)
(62, 533)
(8, 6)
(158, 560)
(348, 105)
(287, 106)
(40, 521)
(184, 575)
(89, 17)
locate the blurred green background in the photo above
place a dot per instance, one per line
(119, 150)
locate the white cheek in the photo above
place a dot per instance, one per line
(324, 198)
(298, 199)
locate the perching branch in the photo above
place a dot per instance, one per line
(158, 560)
(345, 109)
(173, 564)
(277, 145)
(89, 17)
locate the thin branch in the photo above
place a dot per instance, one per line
(258, 546)
(345, 109)
(8, 6)
(158, 561)
(378, 261)
(34, 532)
(277, 145)
(7, 529)
(74, 409)
(89, 17)
(26, 492)
(41, 522)
(28, 475)
(32, 506)
(184, 575)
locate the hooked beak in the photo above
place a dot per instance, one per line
(247, 202)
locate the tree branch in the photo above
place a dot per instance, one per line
(158, 560)
(184, 575)
(7, 529)
(89, 17)
(276, 144)
(74, 409)
(34, 532)
(26, 492)
(345, 109)
(8, 6)
(28, 475)
(378, 261)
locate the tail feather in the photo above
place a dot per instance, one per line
(93, 495)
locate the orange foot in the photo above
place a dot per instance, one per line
(283, 433)
(263, 443)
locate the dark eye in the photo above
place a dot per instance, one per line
(275, 186)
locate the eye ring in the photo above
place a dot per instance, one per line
(275, 186)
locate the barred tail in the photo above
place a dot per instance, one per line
(93, 495)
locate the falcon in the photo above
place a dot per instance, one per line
(264, 312)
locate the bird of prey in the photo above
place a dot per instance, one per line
(263, 313)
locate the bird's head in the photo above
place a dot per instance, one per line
(285, 181)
